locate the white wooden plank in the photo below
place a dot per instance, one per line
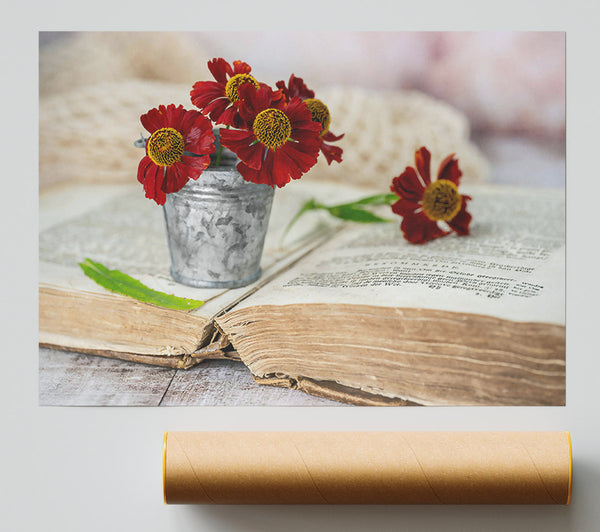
(230, 383)
(71, 379)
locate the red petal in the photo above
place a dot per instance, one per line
(260, 98)
(152, 179)
(235, 137)
(460, 223)
(252, 155)
(241, 143)
(142, 167)
(332, 153)
(187, 121)
(176, 116)
(285, 167)
(422, 162)
(330, 137)
(262, 176)
(204, 92)
(200, 139)
(303, 155)
(238, 121)
(190, 168)
(152, 120)
(277, 97)
(419, 229)
(194, 166)
(252, 101)
(239, 67)
(449, 169)
(219, 68)
(297, 87)
(282, 87)
(405, 208)
(175, 179)
(278, 168)
(168, 112)
(249, 174)
(216, 108)
(228, 116)
(408, 185)
(281, 174)
(298, 113)
(310, 135)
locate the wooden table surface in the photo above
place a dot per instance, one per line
(72, 379)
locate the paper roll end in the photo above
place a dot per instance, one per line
(164, 467)
(570, 467)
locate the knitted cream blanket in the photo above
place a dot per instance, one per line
(88, 133)
(95, 86)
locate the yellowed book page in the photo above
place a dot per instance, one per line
(512, 266)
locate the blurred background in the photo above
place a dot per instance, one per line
(496, 99)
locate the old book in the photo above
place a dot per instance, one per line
(117, 226)
(350, 312)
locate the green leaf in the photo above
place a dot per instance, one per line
(379, 199)
(354, 214)
(353, 211)
(310, 205)
(118, 282)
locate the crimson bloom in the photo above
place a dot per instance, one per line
(177, 150)
(319, 112)
(295, 87)
(282, 141)
(424, 203)
(217, 98)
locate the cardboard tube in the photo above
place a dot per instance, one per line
(367, 467)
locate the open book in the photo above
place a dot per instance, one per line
(351, 311)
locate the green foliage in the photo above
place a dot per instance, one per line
(354, 212)
(118, 282)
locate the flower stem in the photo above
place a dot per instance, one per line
(218, 161)
(219, 152)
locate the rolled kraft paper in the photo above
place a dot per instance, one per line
(367, 467)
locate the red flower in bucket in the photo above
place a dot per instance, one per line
(177, 150)
(319, 112)
(295, 87)
(424, 203)
(282, 142)
(217, 98)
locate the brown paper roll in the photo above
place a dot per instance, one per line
(367, 467)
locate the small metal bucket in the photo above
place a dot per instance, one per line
(216, 228)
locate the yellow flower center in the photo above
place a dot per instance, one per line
(231, 89)
(441, 200)
(165, 146)
(272, 127)
(320, 113)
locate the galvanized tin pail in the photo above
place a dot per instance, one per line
(216, 229)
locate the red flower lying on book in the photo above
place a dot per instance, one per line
(319, 112)
(217, 98)
(177, 150)
(282, 143)
(423, 203)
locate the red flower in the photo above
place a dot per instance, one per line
(282, 142)
(176, 151)
(424, 203)
(216, 98)
(319, 112)
(295, 87)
